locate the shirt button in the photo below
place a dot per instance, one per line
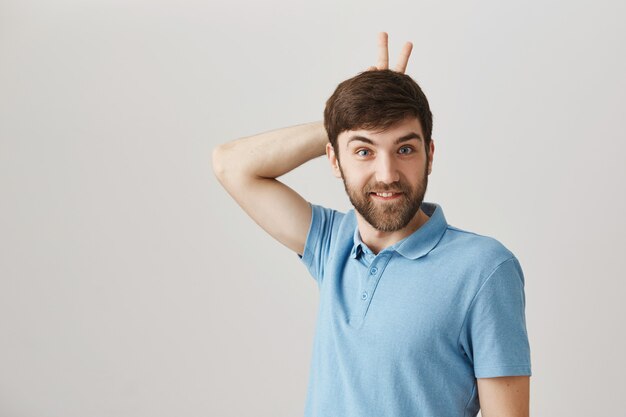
(364, 295)
(373, 271)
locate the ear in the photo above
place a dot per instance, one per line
(332, 158)
(431, 152)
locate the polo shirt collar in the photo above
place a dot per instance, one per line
(419, 243)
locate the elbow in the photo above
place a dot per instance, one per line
(229, 168)
(224, 167)
(219, 162)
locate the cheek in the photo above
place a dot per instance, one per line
(415, 169)
(354, 177)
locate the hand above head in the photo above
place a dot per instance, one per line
(383, 55)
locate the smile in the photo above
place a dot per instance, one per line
(386, 196)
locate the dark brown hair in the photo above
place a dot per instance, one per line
(375, 100)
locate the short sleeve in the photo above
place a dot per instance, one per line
(494, 335)
(317, 248)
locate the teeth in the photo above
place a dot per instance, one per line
(384, 194)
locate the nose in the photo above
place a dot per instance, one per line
(386, 169)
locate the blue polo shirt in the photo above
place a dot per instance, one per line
(406, 332)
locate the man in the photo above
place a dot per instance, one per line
(416, 317)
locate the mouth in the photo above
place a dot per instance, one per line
(386, 196)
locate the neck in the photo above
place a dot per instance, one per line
(378, 240)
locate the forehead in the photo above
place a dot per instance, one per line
(403, 128)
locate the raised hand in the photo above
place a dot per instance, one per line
(383, 55)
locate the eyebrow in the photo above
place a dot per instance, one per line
(405, 138)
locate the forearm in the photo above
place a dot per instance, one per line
(270, 154)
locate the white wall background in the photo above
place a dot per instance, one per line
(131, 285)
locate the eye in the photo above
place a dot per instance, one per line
(405, 150)
(363, 152)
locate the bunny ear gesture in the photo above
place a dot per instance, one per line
(383, 54)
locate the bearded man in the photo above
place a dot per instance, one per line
(416, 317)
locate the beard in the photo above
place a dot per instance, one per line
(388, 216)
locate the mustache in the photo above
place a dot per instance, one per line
(397, 186)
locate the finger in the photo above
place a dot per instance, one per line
(383, 52)
(403, 60)
(371, 69)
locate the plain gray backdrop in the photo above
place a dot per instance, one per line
(132, 285)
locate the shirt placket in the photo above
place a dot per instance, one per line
(373, 272)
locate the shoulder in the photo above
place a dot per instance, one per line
(329, 219)
(329, 225)
(473, 250)
(329, 229)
